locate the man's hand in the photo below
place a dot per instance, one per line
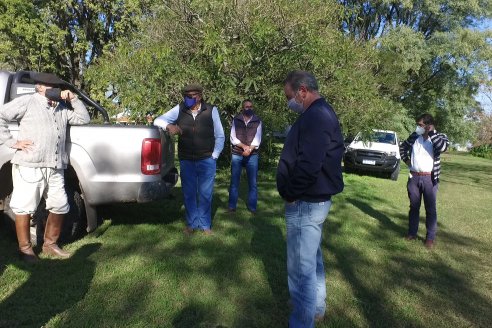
(173, 129)
(246, 151)
(24, 145)
(67, 95)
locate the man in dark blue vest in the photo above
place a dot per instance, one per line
(245, 141)
(201, 139)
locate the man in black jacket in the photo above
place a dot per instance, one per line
(309, 173)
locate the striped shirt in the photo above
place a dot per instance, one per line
(440, 144)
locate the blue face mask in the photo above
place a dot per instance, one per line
(189, 102)
(248, 112)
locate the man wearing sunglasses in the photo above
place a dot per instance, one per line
(201, 140)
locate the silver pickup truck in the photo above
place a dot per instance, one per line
(108, 163)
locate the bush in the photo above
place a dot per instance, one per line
(484, 151)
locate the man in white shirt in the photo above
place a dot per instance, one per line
(201, 139)
(245, 140)
(421, 152)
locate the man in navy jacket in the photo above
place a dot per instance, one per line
(309, 173)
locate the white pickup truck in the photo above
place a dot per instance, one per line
(108, 163)
(378, 153)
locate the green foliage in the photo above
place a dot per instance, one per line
(379, 63)
(63, 37)
(484, 151)
(241, 50)
(430, 59)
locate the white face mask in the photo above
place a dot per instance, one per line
(419, 130)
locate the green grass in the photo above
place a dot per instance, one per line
(139, 270)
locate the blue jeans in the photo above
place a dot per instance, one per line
(197, 182)
(306, 273)
(419, 187)
(251, 164)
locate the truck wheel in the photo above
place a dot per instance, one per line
(75, 220)
(394, 175)
(347, 169)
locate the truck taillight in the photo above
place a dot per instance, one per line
(151, 156)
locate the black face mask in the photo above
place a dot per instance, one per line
(248, 112)
(53, 94)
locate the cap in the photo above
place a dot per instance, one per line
(192, 87)
(46, 78)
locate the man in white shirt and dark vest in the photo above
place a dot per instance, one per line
(201, 140)
(245, 141)
(421, 152)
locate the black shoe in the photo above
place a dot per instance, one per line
(28, 256)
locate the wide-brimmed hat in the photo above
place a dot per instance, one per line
(46, 79)
(192, 87)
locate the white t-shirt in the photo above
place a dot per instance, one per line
(422, 155)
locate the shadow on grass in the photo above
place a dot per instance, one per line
(52, 287)
(196, 315)
(167, 211)
(426, 278)
(386, 222)
(268, 244)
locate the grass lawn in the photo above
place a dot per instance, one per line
(139, 270)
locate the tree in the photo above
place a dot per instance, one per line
(63, 37)
(244, 49)
(430, 58)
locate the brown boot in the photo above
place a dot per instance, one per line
(52, 232)
(22, 227)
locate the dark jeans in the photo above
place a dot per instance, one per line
(251, 165)
(417, 187)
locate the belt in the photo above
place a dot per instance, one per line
(421, 173)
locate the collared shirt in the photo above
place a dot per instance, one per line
(422, 159)
(172, 116)
(257, 139)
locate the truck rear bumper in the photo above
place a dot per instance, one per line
(150, 191)
(104, 192)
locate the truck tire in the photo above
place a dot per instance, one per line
(347, 169)
(74, 222)
(394, 175)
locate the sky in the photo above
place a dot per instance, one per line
(485, 97)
